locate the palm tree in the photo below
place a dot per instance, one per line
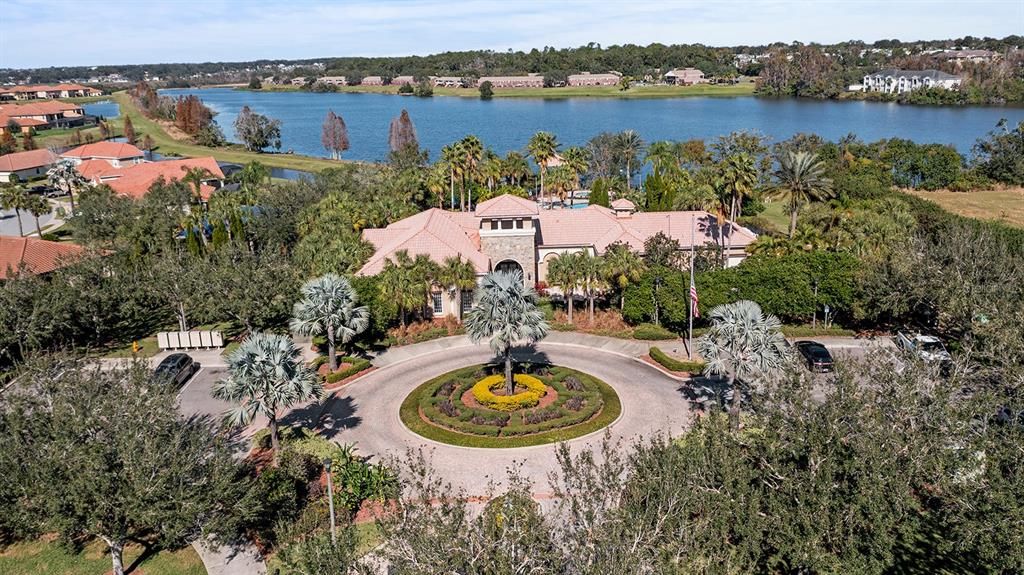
(491, 170)
(196, 176)
(515, 167)
(436, 181)
(64, 176)
(577, 161)
(591, 279)
(662, 154)
(38, 206)
(450, 156)
(739, 176)
(329, 307)
(622, 266)
(800, 178)
(472, 152)
(564, 273)
(266, 373)
(629, 145)
(542, 147)
(744, 344)
(505, 313)
(15, 197)
(400, 283)
(457, 275)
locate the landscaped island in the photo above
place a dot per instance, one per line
(470, 407)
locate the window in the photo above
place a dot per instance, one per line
(435, 300)
(467, 300)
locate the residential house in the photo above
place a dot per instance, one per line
(134, 180)
(588, 79)
(959, 57)
(512, 233)
(372, 81)
(447, 81)
(332, 80)
(34, 255)
(530, 81)
(24, 166)
(117, 154)
(685, 77)
(47, 92)
(41, 115)
(300, 81)
(399, 80)
(892, 81)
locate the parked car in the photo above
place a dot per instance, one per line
(176, 369)
(928, 347)
(816, 355)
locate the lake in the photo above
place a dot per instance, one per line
(104, 108)
(506, 124)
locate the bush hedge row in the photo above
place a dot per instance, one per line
(358, 364)
(673, 364)
(649, 331)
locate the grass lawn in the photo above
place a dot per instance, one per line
(778, 214)
(1004, 205)
(147, 348)
(167, 145)
(709, 90)
(59, 137)
(42, 556)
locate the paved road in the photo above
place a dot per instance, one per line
(194, 397)
(366, 412)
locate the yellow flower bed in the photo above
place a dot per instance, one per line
(535, 390)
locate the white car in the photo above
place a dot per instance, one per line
(927, 347)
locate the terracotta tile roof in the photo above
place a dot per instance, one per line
(506, 206)
(439, 234)
(623, 204)
(48, 107)
(44, 88)
(94, 169)
(435, 233)
(113, 150)
(26, 160)
(39, 256)
(135, 180)
(20, 121)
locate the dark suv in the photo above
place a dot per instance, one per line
(176, 369)
(816, 355)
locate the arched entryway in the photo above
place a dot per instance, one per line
(509, 266)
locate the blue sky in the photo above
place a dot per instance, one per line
(35, 33)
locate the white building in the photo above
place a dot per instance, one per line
(894, 81)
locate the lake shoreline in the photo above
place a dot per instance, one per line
(742, 90)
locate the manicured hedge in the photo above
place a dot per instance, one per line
(649, 331)
(358, 365)
(674, 364)
(535, 390)
(479, 427)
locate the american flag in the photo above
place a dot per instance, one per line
(694, 300)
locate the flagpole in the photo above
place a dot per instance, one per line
(689, 343)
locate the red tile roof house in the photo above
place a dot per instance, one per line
(399, 80)
(51, 91)
(372, 81)
(40, 115)
(134, 180)
(685, 77)
(117, 154)
(24, 166)
(531, 81)
(588, 79)
(34, 256)
(511, 233)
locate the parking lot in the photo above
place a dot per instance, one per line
(195, 399)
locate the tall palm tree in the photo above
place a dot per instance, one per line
(38, 206)
(744, 344)
(800, 178)
(400, 283)
(266, 373)
(491, 169)
(629, 146)
(505, 313)
(591, 279)
(450, 156)
(330, 307)
(516, 168)
(739, 177)
(622, 266)
(472, 152)
(564, 273)
(65, 177)
(662, 154)
(577, 161)
(542, 147)
(457, 275)
(15, 197)
(195, 177)
(436, 181)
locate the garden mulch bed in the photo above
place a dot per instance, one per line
(550, 397)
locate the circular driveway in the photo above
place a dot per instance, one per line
(366, 412)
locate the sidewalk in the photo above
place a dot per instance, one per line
(227, 561)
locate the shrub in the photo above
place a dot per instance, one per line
(540, 416)
(573, 383)
(649, 331)
(448, 408)
(483, 394)
(574, 403)
(358, 365)
(674, 364)
(446, 389)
